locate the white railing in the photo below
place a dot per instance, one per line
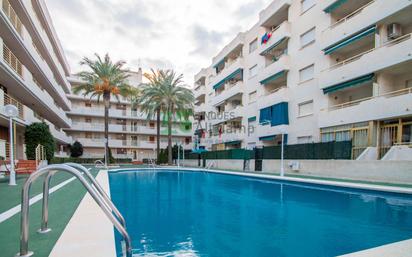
(40, 154)
(404, 91)
(349, 16)
(12, 60)
(358, 56)
(10, 100)
(12, 15)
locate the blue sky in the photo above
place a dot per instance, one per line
(180, 34)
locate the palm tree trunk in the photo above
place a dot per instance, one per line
(169, 139)
(158, 135)
(106, 99)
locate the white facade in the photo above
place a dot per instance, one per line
(33, 71)
(131, 134)
(342, 68)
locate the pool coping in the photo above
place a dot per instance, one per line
(317, 181)
(89, 232)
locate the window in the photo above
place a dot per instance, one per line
(88, 104)
(88, 120)
(307, 73)
(152, 125)
(305, 140)
(151, 139)
(253, 71)
(307, 4)
(253, 45)
(305, 109)
(89, 135)
(308, 37)
(252, 97)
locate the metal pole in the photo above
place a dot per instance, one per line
(282, 171)
(183, 149)
(12, 181)
(45, 210)
(24, 233)
(178, 156)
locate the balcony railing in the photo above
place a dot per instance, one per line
(11, 14)
(349, 16)
(10, 100)
(404, 91)
(357, 57)
(12, 61)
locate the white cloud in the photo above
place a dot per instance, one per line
(181, 34)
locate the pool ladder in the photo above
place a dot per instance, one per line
(92, 186)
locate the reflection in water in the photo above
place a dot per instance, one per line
(201, 214)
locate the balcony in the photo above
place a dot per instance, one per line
(200, 92)
(5, 99)
(275, 96)
(369, 14)
(277, 35)
(60, 135)
(45, 38)
(267, 131)
(227, 115)
(229, 92)
(19, 80)
(230, 68)
(234, 48)
(281, 65)
(275, 13)
(389, 105)
(25, 50)
(394, 52)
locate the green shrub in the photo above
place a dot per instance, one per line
(39, 133)
(163, 158)
(76, 150)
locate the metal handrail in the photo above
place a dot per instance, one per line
(24, 233)
(100, 190)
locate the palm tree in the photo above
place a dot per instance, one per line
(165, 94)
(151, 102)
(105, 78)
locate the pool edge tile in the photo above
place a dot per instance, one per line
(89, 232)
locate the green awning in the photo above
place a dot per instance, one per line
(334, 6)
(273, 77)
(252, 119)
(223, 81)
(350, 39)
(267, 138)
(350, 83)
(219, 63)
(273, 46)
(233, 142)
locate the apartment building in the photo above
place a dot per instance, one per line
(131, 134)
(314, 71)
(33, 73)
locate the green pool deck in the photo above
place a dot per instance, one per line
(62, 205)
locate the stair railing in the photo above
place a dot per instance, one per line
(50, 170)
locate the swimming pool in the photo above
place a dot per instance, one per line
(190, 213)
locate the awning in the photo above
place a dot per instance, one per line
(273, 137)
(334, 6)
(223, 81)
(233, 142)
(273, 77)
(350, 39)
(252, 119)
(273, 46)
(219, 63)
(199, 150)
(350, 83)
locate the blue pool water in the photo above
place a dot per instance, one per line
(201, 214)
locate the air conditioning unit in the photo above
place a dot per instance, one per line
(394, 30)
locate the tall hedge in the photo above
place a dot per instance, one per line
(39, 133)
